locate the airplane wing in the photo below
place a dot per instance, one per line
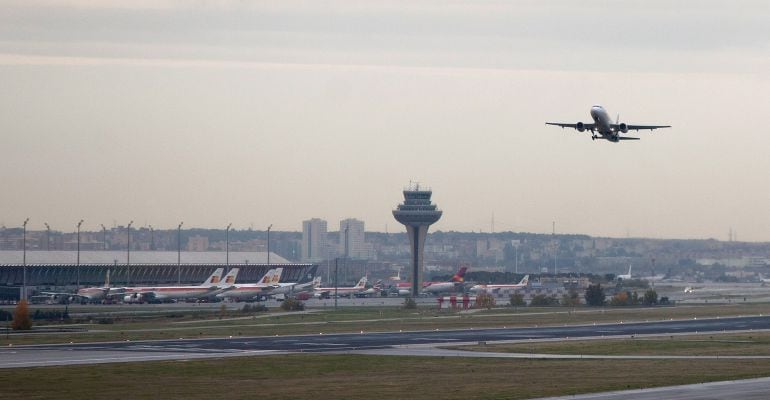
(640, 127)
(585, 127)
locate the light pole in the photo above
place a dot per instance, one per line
(346, 252)
(152, 238)
(104, 236)
(179, 253)
(347, 248)
(268, 245)
(128, 253)
(24, 261)
(227, 243)
(336, 264)
(78, 271)
(47, 237)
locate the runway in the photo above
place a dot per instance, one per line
(181, 349)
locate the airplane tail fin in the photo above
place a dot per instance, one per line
(229, 279)
(214, 278)
(107, 279)
(276, 276)
(361, 283)
(317, 282)
(266, 277)
(460, 275)
(524, 280)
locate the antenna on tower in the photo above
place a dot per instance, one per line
(493, 222)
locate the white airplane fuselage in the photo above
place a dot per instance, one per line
(603, 123)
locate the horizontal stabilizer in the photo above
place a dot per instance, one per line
(627, 138)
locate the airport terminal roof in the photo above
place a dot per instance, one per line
(15, 257)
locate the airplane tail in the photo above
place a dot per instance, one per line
(309, 276)
(214, 278)
(229, 279)
(266, 278)
(524, 280)
(276, 276)
(460, 275)
(361, 283)
(107, 279)
(317, 282)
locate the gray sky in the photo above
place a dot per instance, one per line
(275, 112)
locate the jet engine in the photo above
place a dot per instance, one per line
(622, 127)
(580, 127)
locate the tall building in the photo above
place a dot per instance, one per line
(198, 243)
(417, 213)
(314, 246)
(352, 244)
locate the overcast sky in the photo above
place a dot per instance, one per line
(260, 113)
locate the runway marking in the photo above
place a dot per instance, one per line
(323, 344)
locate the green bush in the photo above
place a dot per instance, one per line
(410, 304)
(253, 308)
(543, 300)
(292, 304)
(517, 300)
(485, 300)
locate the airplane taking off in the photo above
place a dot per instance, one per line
(604, 126)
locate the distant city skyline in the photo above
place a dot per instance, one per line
(274, 113)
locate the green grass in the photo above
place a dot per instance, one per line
(356, 376)
(745, 344)
(175, 323)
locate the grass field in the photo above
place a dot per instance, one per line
(730, 344)
(133, 324)
(356, 376)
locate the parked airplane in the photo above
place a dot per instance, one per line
(248, 291)
(498, 288)
(327, 292)
(308, 282)
(405, 288)
(95, 293)
(451, 285)
(604, 126)
(372, 291)
(624, 277)
(140, 294)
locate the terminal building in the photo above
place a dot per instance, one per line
(63, 269)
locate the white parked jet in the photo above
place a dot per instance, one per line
(604, 126)
(625, 277)
(141, 294)
(497, 288)
(248, 291)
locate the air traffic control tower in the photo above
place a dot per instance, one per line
(417, 213)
